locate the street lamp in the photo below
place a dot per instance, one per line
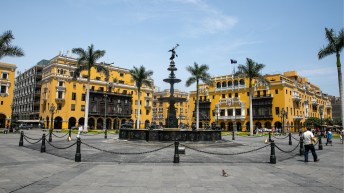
(52, 110)
(284, 114)
(321, 109)
(104, 125)
(217, 114)
(235, 125)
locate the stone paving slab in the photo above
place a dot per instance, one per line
(24, 169)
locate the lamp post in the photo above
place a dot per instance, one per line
(217, 114)
(104, 125)
(235, 124)
(284, 114)
(321, 109)
(52, 110)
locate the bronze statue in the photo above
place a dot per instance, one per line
(173, 55)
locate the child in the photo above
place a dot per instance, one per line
(329, 137)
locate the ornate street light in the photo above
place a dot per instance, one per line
(104, 125)
(52, 110)
(284, 114)
(321, 109)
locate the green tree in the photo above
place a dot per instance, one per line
(198, 73)
(335, 46)
(141, 76)
(87, 59)
(6, 49)
(252, 71)
(313, 121)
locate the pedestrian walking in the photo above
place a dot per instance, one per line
(309, 140)
(80, 128)
(329, 137)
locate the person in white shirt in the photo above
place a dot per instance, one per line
(80, 128)
(307, 140)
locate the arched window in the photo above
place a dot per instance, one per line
(242, 82)
(236, 82)
(230, 83)
(218, 85)
(224, 84)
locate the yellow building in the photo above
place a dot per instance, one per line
(160, 108)
(288, 100)
(63, 99)
(7, 73)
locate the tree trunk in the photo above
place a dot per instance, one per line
(251, 114)
(197, 106)
(138, 110)
(340, 83)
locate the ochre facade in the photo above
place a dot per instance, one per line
(7, 74)
(285, 102)
(67, 96)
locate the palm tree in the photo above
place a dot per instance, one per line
(335, 46)
(6, 49)
(141, 77)
(86, 61)
(252, 71)
(198, 73)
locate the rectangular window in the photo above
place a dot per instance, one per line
(121, 74)
(230, 95)
(74, 85)
(222, 112)
(264, 93)
(230, 112)
(277, 110)
(82, 107)
(59, 106)
(60, 94)
(60, 83)
(147, 112)
(223, 96)
(276, 91)
(72, 108)
(73, 96)
(2, 102)
(83, 96)
(3, 89)
(236, 94)
(4, 75)
(248, 93)
(97, 78)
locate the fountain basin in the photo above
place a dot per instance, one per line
(170, 134)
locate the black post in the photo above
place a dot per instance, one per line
(272, 155)
(320, 146)
(43, 143)
(301, 146)
(176, 153)
(233, 137)
(105, 136)
(290, 143)
(78, 150)
(50, 135)
(269, 136)
(21, 142)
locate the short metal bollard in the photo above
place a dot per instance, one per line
(176, 153)
(43, 143)
(50, 135)
(320, 146)
(21, 142)
(302, 151)
(105, 134)
(69, 138)
(290, 143)
(272, 155)
(233, 136)
(269, 136)
(78, 150)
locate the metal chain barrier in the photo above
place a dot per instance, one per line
(60, 147)
(295, 138)
(31, 138)
(26, 139)
(207, 152)
(122, 153)
(86, 134)
(60, 136)
(279, 137)
(287, 151)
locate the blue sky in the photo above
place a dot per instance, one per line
(284, 35)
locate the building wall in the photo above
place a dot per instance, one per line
(7, 74)
(160, 108)
(57, 77)
(288, 91)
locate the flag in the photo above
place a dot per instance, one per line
(233, 61)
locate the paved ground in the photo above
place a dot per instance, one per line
(25, 169)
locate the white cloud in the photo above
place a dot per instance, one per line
(318, 72)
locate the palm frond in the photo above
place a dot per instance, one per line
(190, 81)
(325, 51)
